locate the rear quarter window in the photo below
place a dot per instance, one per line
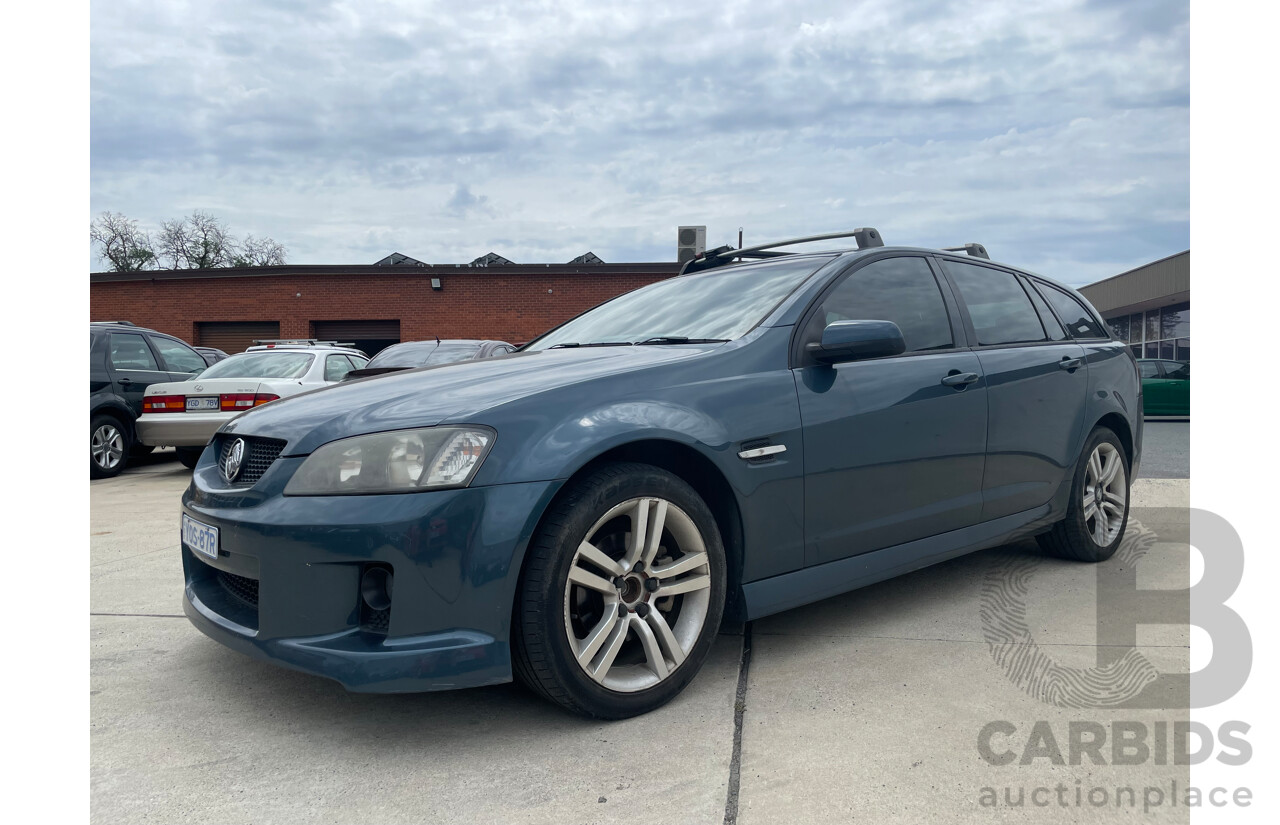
(1078, 320)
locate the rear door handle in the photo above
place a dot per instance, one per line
(126, 381)
(1069, 364)
(960, 379)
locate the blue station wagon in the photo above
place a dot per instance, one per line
(763, 431)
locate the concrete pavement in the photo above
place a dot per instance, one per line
(863, 707)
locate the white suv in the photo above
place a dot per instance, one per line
(186, 414)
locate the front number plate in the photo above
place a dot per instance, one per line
(209, 402)
(201, 538)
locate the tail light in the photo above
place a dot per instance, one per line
(164, 403)
(237, 401)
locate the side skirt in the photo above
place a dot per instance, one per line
(812, 584)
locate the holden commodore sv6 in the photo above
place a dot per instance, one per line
(727, 444)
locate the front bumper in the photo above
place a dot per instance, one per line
(285, 585)
(180, 429)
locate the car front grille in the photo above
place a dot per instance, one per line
(259, 454)
(240, 588)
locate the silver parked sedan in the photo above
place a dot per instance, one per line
(186, 414)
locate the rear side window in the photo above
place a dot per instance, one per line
(336, 367)
(902, 290)
(1079, 321)
(129, 351)
(998, 306)
(178, 357)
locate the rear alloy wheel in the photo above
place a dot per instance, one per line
(108, 447)
(622, 594)
(1098, 510)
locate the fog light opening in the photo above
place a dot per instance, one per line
(375, 588)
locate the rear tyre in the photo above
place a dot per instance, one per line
(621, 594)
(1098, 510)
(189, 456)
(108, 446)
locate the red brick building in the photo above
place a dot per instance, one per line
(372, 305)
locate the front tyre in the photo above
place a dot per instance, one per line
(189, 456)
(1098, 510)
(621, 594)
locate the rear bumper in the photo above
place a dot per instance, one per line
(285, 586)
(180, 429)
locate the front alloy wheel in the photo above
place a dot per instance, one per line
(636, 595)
(621, 594)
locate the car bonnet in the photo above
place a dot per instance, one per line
(428, 396)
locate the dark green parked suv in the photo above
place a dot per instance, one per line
(1166, 386)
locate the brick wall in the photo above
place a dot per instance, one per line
(509, 303)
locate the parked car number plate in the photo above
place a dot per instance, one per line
(203, 403)
(201, 538)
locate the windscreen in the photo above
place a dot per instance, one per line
(721, 304)
(261, 365)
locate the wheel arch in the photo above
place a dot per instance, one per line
(699, 472)
(1117, 423)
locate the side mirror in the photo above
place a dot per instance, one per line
(855, 340)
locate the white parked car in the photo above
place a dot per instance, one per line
(186, 414)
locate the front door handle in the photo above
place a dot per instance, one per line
(960, 379)
(126, 381)
(1070, 364)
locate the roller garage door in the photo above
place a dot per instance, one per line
(234, 336)
(369, 336)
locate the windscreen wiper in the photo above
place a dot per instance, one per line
(575, 344)
(680, 339)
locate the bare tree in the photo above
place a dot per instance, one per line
(258, 252)
(198, 241)
(122, 244)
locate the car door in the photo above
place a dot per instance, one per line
(181, 361)
(1177, 386)
(1037, 384)
(133, 367)
(893, 446)
(1154, 388)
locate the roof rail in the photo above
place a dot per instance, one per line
(118, 323)
(865, 237)
(976, 250)
(299, 342)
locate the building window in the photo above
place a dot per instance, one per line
(1158, 333)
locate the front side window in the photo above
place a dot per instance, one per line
(1176, 370)
(179, 357)
(262, 365)
(719, 304)
(129, 351)
(1148, 369)
(999, 308)
(1077, 319)
(902, 290)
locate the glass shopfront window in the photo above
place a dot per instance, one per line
(1158, 333)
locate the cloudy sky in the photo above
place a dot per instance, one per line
(1054, 132)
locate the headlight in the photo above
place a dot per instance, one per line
(401, 461)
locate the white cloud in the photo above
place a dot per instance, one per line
(1056, 133)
